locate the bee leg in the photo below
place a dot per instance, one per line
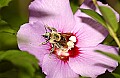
(53, 48)
(58, 45)
(43, 43)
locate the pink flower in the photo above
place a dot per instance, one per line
(82, 35)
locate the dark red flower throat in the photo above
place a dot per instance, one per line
(68, 48)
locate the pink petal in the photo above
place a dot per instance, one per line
(89, 32)
(29, 39)
(88, 4)
(91, 64)
(55, 68)
(55, 13)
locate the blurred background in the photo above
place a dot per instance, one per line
(17, 64)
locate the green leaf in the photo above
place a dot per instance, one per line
(24, 61)
(113, 56)
(83, 77)
(75, 4)
(7, 36)
(109, 41)
(73, 7)
(118, 32)
(22, 74)
(109, 17)
(5, 66)
(6, 28)
(94, 15)
(4, 3)
(9, 74)
(115, 4)
(117, 70)
(16, 13)
(107, 74)
(116, 75)
(8, 41)
(1, 52)
(39, 74)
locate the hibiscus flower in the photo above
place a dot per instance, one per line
(79, 36)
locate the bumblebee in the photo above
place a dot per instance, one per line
(57, 40)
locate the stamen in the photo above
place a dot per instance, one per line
(72, 38)
(62, 44)
(60, 52)
(70, 44)
(64, 51)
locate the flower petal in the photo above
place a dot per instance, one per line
(55, 68)
(29, 39)
(56, 13)
(89, 32)
(88, 4)
(91, 64)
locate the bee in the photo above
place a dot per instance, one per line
(56, 39)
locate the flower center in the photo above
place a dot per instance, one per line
(62, 44)
(65, 47)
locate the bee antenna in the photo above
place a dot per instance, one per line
(45, 28)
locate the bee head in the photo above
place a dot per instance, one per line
(46, 35)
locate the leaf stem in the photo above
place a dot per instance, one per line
(95, 3)
(113, 34)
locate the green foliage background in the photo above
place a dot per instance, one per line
(17, 64)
